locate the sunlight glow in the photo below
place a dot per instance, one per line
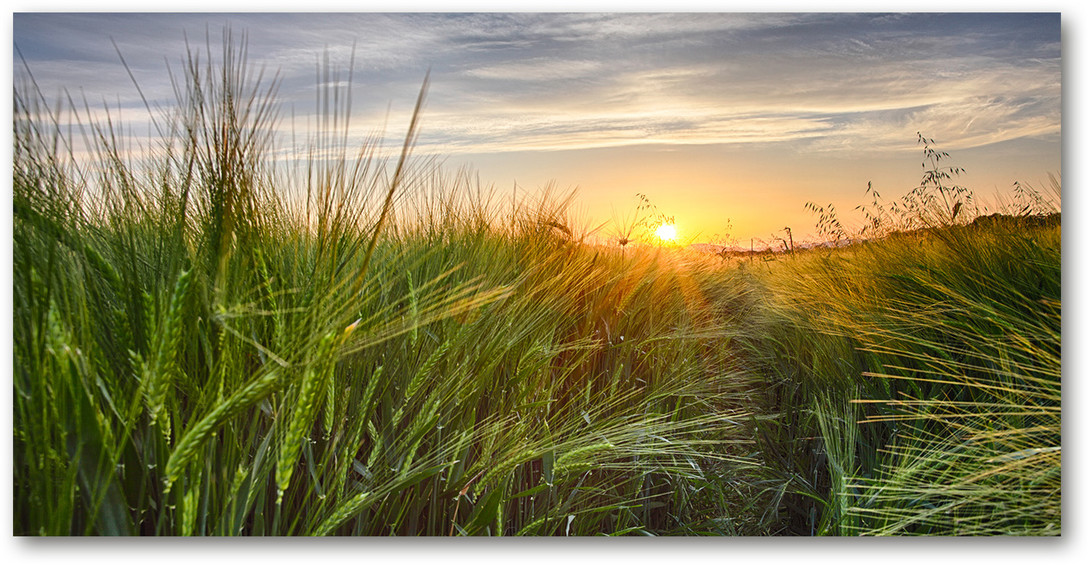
(667, 232)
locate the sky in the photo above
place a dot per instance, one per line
(924, 73)
(729, 122)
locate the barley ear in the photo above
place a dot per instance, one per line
(196, 435)
(425, 371)
(164, 364)
(302, 416)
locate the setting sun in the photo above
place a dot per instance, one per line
(667, 232)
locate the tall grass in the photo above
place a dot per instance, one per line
(208, 343)
(946, 341)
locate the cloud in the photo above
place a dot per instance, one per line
(516, 82)
(537, 69)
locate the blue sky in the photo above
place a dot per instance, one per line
(714, 116)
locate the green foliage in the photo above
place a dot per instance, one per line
(210, 343)
(947, 341)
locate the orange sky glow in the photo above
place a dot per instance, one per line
(727, 122)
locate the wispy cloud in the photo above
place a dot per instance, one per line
(537, 69)
(503, 82)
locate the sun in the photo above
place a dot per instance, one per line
(667, 232)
